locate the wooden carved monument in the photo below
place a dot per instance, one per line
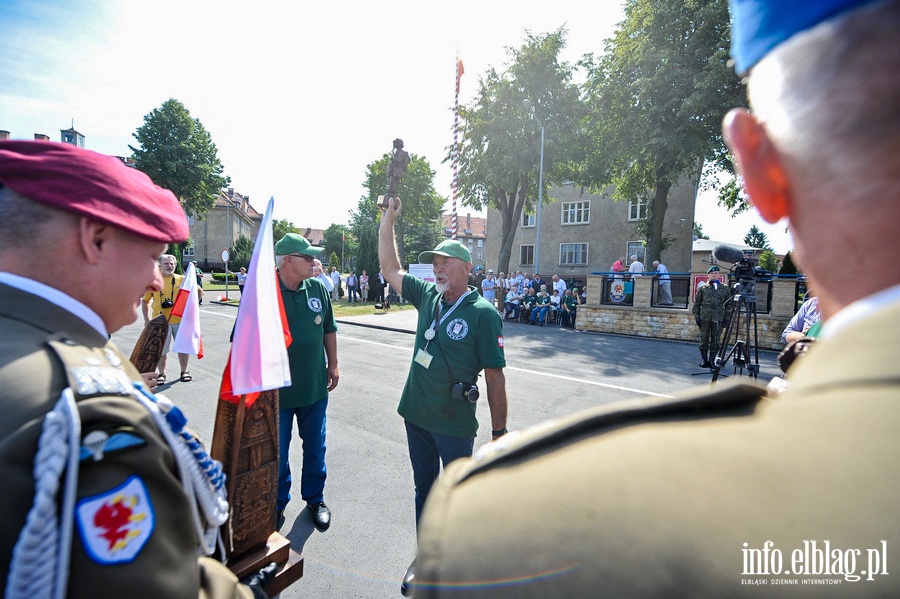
(245, 440)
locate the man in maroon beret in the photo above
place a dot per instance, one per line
(97, 473)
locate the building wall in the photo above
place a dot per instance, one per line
(606, 234)
(231, 217)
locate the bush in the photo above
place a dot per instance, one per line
(220, 277)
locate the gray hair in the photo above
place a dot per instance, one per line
(279, 260)
(828, 98)
(25, 220)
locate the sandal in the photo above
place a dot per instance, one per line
(161, 379)
(186, 377)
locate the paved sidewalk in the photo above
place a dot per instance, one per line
(393, 320)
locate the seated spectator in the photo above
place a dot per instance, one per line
(568, 308)
(512, 304)
(555, 301)
(582, 299)
(805, 318)
(541, 307)
(529, 299)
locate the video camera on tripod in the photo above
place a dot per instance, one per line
(746, 272)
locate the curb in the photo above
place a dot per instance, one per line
(374, 326)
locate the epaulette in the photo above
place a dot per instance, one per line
(92, 371)
(723, 400)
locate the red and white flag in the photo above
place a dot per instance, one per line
(188, 340)
(258, 360)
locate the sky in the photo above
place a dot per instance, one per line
(299, 97)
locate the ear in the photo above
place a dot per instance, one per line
(765, 178)
(93, 239)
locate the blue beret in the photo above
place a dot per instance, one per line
(757, 26)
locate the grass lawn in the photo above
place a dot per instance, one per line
(341, 308)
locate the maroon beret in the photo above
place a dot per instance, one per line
(95, 185)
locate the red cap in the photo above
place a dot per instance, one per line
(94, 185)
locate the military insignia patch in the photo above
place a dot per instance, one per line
(115, 525)
(457, 329)
(315, 304)
(94, 380)
(500, 342)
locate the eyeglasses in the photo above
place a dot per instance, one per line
(304, 256)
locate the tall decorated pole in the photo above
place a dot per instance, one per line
(459, 73)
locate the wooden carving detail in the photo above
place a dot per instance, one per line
(149, 347)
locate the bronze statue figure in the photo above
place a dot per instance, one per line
(395, 171)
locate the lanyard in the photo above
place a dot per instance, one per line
(430, 333)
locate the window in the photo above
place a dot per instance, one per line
(480, 256)
(637, 209)
(481, 243)
(189, 250)
(527, 220)
(526, 255)
(576, 213)
(573, 254)
(190, 221)
(635, 248)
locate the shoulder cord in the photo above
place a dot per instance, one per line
(201, 476)
(40, 564)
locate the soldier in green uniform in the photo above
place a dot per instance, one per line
(105, 492)
(459, 334)
(710, 310)
(717, 493)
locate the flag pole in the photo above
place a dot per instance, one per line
(453, 221)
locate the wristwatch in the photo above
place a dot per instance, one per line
(499, 433)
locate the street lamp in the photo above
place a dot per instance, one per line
(529, 108)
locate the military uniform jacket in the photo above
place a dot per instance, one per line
(690, 497)
(712, 300)
(136, 482)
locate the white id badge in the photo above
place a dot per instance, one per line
(423, 358)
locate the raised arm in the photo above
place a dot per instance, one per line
(391, 269)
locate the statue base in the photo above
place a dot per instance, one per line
(278, 550)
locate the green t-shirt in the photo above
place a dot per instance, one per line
(310, 318)
(529, 301)
(469, 340)
(571, 302)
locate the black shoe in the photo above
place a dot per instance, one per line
(705, 364)
(406, 585)
(321, 515)
(279, 519)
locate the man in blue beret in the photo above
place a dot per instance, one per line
(724, 492)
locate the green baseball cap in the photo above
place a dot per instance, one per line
(449, 248)
(292, 243)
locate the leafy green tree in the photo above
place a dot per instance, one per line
(787, 266)
(757, 239)
(768, 260)
(698, 231)
(500, 149)
(335, 261)
(655, 102)
(333, 239)
(178, 153)
(282, 227)
(241, 253)
(419, 226)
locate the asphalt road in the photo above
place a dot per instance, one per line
(551, 372)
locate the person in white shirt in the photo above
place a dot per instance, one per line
(637, 267)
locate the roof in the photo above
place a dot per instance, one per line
(476, 225)
(708, 245)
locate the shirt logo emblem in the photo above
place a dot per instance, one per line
(457, 329)
(315, 304)
(115, 526)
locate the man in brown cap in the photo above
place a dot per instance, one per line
(99, 498)
(721, 493)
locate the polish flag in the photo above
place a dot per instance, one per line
(258, 360)
(188, 340)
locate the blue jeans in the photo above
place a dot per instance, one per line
(351, 293)
(538, 314)
(311, 429)
(427, 451)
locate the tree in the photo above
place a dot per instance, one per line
(334, 261)
(788, 267)
(698, 231)
(655, 101)
(419, 227)
(500, 149)
(177, 153)
(768, 261)
(241, 253)
(333, 240)
(757, 239)
(282, 227)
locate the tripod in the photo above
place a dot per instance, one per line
(743, 311)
